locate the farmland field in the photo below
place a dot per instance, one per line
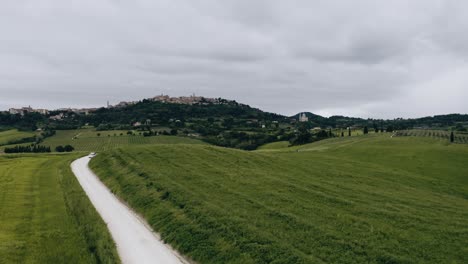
(10, 135)
(363, 199)
(45, 216)
(438, 134)
(87, 139)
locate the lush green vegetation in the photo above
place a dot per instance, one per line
(221, 122)
(27, 149)
(11, 136)
(88, 139)
(45, 216)
(363, 199)
(459, 137)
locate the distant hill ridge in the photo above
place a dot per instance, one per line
(163, 110)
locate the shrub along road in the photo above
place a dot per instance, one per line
(136, 242)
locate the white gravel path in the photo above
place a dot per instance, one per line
(136, 242)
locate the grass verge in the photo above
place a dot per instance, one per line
(46, 217)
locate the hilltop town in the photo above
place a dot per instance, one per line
(188, 100)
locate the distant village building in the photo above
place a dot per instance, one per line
(14, 111)
(24, 110)
(303, 118)
(137, 124)
(57, 117)
(41, 111)
(190, 100)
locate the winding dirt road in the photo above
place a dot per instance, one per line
(136, 242)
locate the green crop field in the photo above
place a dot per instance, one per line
(438, 134)
(45, 217)
(363, 199)
(11, 135)
(87, 139)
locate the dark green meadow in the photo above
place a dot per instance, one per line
(45, 216)
(362, 199)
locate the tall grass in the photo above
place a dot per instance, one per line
(45, 216)
(366, 199)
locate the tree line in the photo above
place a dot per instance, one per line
(27, 149)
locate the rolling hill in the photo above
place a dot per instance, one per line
(363, 199)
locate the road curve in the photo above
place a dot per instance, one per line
(136, 242)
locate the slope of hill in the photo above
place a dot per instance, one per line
(364, 199)
(13, 135)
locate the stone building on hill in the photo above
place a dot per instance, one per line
(303, 118)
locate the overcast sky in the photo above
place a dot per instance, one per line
(381, 59)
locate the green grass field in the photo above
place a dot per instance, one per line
(87, 139)
(45, 216)
(274, 145)
(10, 135)
(363, 199)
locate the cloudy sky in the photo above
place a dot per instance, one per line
(357, 58)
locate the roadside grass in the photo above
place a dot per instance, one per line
(87, 139)
(46, 217)
(13, 134)
(365, 199)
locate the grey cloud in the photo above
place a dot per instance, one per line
(332, 57)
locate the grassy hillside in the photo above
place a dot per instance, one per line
(365, 199)
(88, 140)
(45, 216)
(274, 145)
(13, 135)
(459, 137)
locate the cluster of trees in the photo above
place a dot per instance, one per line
(35, 148)
(304, 136)
(460, 128)
(28, 149)
(241, 140)
(66, 148)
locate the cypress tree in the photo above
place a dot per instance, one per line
(452, 137)
(366, 130)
